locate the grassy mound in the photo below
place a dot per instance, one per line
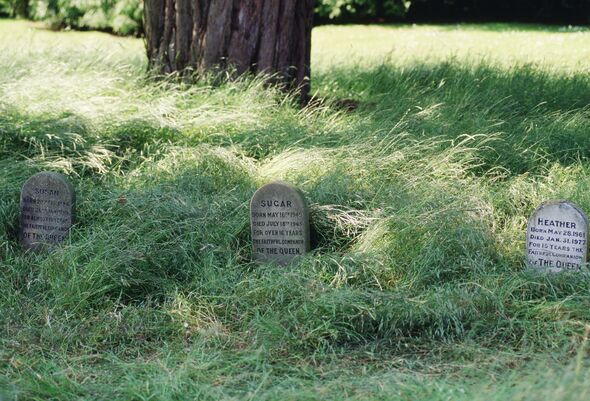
(416, 288)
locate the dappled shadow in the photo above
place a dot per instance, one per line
(507, 27)
(163, 211)
(519, 27)
(534, 117)
(71, 142)
(526, 118)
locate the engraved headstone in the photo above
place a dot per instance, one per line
(279, 219)
(46, 210)
(557, 237)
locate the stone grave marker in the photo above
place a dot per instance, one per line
(557, 237)
(279, 219)
(46, 210)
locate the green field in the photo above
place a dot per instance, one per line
(416, 288)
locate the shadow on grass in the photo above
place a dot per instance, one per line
(536, 117)
(479, 26)
(70, 140)
(177, 227)
(512, 27)
(532, 118)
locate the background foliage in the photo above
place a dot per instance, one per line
(358, 9)
(545, 11)
(552, 11)
(123, 17)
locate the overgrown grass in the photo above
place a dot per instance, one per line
(416, 288)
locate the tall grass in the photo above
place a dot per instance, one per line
(416, 288)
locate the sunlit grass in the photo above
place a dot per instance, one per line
(560, 49)
(416, 288)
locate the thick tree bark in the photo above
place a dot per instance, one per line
(269, 36)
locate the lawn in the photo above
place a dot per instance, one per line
(416, 288)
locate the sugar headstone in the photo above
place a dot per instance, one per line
(279, 219)
(46, 210)
(557, 236)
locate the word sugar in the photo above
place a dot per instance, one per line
(279, 219)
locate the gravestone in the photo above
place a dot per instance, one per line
(557, 236)
(46, 210)
(279, 219)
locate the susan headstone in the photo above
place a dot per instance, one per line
(557, 237)
(279, 219)
(46, 210)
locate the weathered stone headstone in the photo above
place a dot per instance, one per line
(46, 210)
(279, 219)
(557, 237)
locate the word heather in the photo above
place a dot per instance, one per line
(279, 219)
(557, 237)
(46, 210)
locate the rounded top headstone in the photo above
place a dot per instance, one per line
(47, 210)
(280, 223)
(557, 236)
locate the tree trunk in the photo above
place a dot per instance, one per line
(268, 36)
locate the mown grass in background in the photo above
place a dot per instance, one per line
(416, 288)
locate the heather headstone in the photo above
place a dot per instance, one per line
(279, 219)
(557, 237)
(46, 210)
